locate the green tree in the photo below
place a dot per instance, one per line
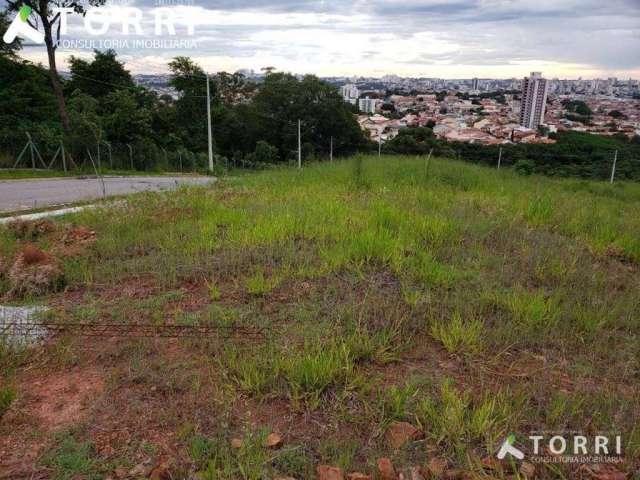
(282, 100)
(43, 12)
(125, 121)
(99, 77)
(265, 153)
(190, 80)
(27, 104)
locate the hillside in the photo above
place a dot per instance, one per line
(334, 302)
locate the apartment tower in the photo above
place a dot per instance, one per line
(534, 100)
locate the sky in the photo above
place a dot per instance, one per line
(412, 38)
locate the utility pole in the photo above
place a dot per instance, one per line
(331, 151)
(209, 125)
(299, 145)
(427, 165)
(130, 155)
(613, 170)
(499, 158)
(380, 145)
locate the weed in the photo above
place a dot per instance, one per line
(216, 460)
(396, 403)
(7, 396)
(342, 454)
(310, 373)
(458, 335)
(71, 459)
(259, 284)
(456, 420)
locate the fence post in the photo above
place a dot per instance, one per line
(613, 169)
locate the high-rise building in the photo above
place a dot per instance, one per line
(368, 105)
(474, 84)
(350, 93)
(534, 100)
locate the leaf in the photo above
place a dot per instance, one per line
(25, 11)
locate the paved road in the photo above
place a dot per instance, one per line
(17, 195)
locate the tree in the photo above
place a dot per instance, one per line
(577, 106)
(99, 77)
(27, 104)
(265, 153)
(617, 114)
(44, 13)
(190, 80)
(124, 119)
(282, 100)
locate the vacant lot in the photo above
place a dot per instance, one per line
(468, 302)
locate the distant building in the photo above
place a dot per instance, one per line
(350, 93)
(475, 84)
(534, 100)
(368, 105)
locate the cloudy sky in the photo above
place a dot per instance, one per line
(431, 38)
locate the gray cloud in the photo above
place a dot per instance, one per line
(492, 36)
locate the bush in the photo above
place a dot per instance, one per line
(524, 167)
(265, 153)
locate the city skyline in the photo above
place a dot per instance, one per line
(498, 39)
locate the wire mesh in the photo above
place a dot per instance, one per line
(41, 329)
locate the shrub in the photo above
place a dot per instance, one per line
(7, 396)
(524, 167)
(265, 153)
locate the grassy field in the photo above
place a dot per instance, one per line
(469, 302)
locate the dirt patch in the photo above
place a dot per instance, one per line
(80, 234)
(35, 272)
(47, 403)
(63, 398)
(30, 230)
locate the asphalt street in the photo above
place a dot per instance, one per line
(20, 195)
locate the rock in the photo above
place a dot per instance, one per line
(385, 467)
(141, 470)
(120, 472)
(415, 474)
(327, 472)
(236, 443)
(400, 433)
(437, 466)
(161, 472)
(492, 463)
(358, 476)
(273, 440)
(454, 474)
(528, 469)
